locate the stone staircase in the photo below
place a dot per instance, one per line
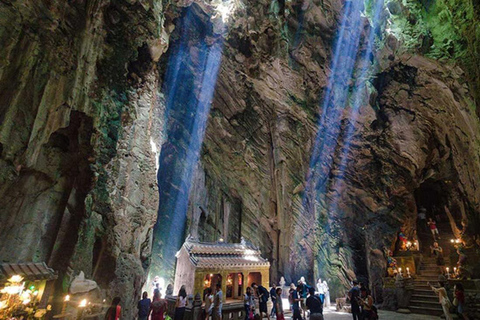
(424, 300)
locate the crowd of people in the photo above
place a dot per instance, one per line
(303, 300)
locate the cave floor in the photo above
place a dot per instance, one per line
(390, 315)
(333, 315)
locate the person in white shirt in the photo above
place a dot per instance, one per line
(321, 290)
(326, 303)
(180, 304)
(208, 304)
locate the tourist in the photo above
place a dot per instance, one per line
(462, 257)
(326, 302)
(262, 294)
(366, 302)
(218, 302)
(115, 310)
(158, 306)
(315, 305)
(180, 304)
(249, 304)
(422, 218)
(353, 296)
(321, 290)
(169, 290)
(207, 312)
(459, 301)
(443, 297)
(290, 295)
(144, 307)
(302, 291)
(433, 228)
(437, 251)
(157, 283)
(273, 297)
(279, 305)
(295, 301)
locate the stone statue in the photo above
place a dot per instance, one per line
(282, 282)
(82, 285)
(326, 304)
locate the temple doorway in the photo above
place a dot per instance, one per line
(254, 277)
(234, 286)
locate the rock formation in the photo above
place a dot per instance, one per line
(87, 114)
(79, 115)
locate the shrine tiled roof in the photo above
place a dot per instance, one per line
(224, 255)
(29, 271)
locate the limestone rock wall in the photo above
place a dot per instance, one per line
(416, 128)
(80, 114)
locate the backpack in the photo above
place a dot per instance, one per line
(265, 293)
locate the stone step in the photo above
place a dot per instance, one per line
(431, 269)
(424, 297)
(423, 286)
(428, 277)
(424, 292)
(426, 310)
(425, 303)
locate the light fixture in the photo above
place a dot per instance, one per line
(83, 303)
(67, 298)
(15, 279)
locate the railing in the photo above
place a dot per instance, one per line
(194, 309)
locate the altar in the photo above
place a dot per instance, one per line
(201, 265)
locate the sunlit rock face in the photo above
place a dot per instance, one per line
(416, 128)
(79, 115)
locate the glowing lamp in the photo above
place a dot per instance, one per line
(452, 241)
(83, 303)
(15, 279)
(67, 298)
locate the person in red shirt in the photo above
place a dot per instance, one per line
(433, 228)
(115, 310)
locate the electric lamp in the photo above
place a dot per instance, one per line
(83, 303)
